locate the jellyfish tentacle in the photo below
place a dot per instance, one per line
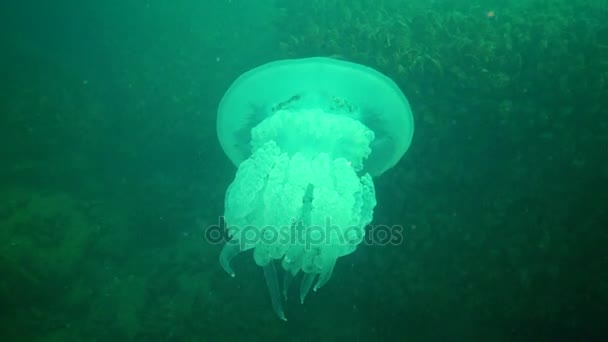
(230, 250)
(307, 281)
(272, 281)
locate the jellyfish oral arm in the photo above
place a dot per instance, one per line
(302, 209)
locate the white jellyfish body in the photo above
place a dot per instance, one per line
(307, 136)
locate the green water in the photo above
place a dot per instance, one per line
(111, 171)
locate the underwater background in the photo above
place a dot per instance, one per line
(111, 170)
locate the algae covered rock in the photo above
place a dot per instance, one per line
(43, 236)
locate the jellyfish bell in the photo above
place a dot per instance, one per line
(336, 86)
(307, 135)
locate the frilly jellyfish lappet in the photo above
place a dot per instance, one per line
(307, 136)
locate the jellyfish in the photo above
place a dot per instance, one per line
(307, 136)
